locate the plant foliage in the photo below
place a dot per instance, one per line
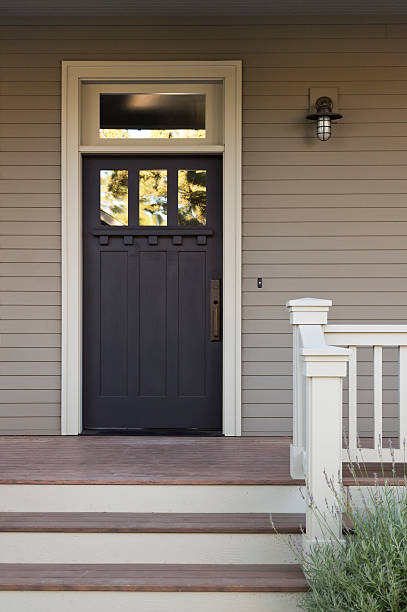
(366, 571)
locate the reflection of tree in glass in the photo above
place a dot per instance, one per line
(192, 197)
(153, 197)
(112, 133)
(125, 133)
(114, 194)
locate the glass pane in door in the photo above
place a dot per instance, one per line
(153, 197)
(114, 197)
(192, 197)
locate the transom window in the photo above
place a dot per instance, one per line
(151, 113)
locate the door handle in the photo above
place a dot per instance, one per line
(215, 311)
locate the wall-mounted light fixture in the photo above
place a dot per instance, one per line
(323, 116)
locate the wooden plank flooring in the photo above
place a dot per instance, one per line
(144, 460)
(151, 577)
(156, 460)
(127, 522)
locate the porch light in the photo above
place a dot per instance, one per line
(323, 117)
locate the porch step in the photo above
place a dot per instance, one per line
(148, 525)
(152, 577)
(147, 538)
(150, 522)
(150, 588)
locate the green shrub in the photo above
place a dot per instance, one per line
(366, 571)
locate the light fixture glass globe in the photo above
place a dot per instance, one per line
(324, 128)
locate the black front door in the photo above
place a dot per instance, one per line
(152, 270)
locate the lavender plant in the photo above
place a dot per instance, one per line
(366, 570)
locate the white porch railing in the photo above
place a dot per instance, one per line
(321, 353)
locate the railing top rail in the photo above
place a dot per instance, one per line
(366, 335)
(366, 329)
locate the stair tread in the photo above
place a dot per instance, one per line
(136, 522)
(151, 577)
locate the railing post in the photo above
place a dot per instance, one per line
(324, 370)
(303, 311)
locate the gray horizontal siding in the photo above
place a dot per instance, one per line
(328, 220)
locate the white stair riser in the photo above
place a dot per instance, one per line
(144, 548)
(34, 601)
(150, 498)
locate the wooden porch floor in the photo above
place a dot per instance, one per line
(144, 460)
(153, 460)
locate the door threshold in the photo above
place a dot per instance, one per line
(141, 431)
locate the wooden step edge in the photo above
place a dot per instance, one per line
(203, 481)
(126, 522)
(152, 578)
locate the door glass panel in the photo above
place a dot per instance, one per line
(192, 197)
(153, 197)
(152, 115)
(114, 197)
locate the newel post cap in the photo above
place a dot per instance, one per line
(309, 311)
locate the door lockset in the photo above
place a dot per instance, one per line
(215, 311)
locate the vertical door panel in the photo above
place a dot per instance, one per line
(153, 324)
(192, 324)
(113, 323)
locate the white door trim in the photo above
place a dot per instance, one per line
(73, 74)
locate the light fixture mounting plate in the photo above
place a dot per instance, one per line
(323, 92)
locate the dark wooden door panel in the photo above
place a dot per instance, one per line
(192, 324)
(150, 362)
(152, 308)
(113, 323)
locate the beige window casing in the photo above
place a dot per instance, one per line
(90, 95)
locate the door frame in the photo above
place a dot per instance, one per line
(73, 74)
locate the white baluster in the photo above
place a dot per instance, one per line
(378, 395)
(403, 395)
(352, 403)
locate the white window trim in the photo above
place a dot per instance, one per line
(73, 73)
(91, 112)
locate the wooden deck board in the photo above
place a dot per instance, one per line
(151, 577)
(144, 460)
(157, 460)
(127, 522)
